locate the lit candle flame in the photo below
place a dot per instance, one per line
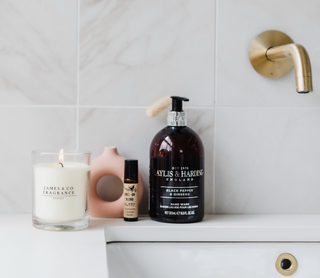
(61, 159)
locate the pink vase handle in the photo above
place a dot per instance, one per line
(108, 163)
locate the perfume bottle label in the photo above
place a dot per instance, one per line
(176, 187)
(130, 200)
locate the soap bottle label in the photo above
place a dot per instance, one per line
(130, 200)
(177, 187)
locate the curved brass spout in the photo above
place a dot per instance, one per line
(273, 54)
(301, 62)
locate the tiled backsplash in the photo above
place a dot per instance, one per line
(80, 73)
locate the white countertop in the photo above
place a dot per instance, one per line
(29, 252)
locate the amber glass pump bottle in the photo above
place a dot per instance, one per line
(176, 192)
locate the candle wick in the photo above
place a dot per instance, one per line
(61, 164)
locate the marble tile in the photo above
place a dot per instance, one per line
(267, 160)
(103, 127)
(134, 51)
(38, 52)
(22, 131)
(238, 23)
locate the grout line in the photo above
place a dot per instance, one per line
(267, 107)
(78, 79)
(37, 106)
(137, 107)
(200, 107)
(215, 106)
(113, 106)
(144, 107)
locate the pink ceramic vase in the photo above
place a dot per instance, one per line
(108, 163)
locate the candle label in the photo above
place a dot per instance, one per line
(58, 192)
(130, 200)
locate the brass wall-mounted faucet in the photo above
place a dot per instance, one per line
(273, 54)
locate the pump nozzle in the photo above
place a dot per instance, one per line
(177, 103)
(177, 117)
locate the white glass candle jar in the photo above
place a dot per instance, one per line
(61, 190)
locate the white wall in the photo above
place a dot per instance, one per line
(79, 74)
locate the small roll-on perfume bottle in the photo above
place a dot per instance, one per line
(130, 188)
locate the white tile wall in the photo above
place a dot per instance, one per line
(70, 79)
(146, 49)
(267, 154)
(24, 129)
(38, 52)
(267, 160)
(38, 90)
(238, 23)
